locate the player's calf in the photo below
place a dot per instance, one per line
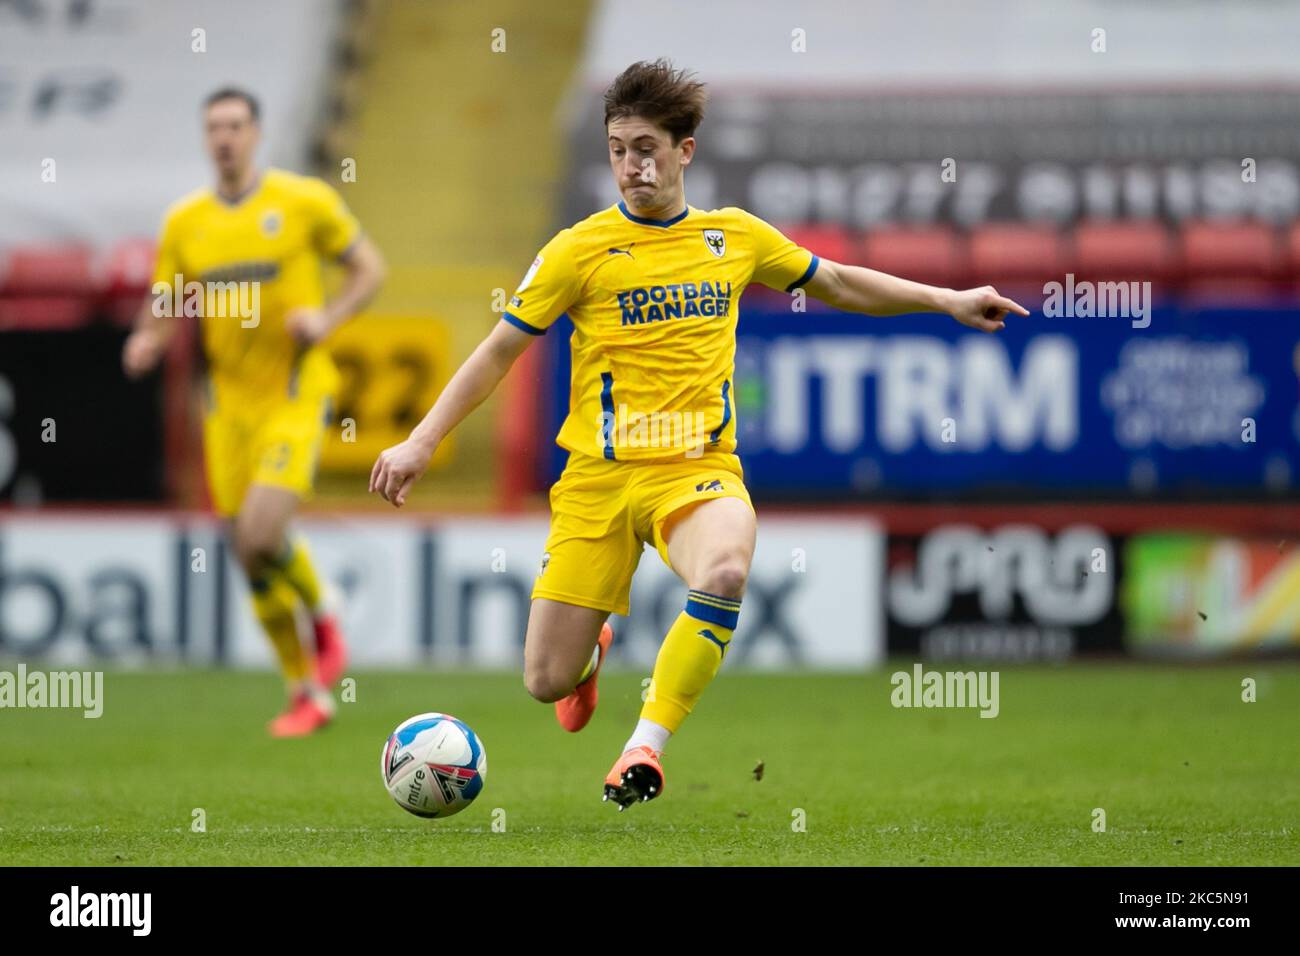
(260, 531)
(547, 682)
(255, 550)
(558, 646)
(575, 710)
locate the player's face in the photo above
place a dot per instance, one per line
(647, 165)
(231, 135)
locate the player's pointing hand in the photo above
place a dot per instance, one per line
(984, 309)
(397, 469)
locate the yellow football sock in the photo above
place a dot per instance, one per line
(294, 566)
(275, 601)
(689, 658)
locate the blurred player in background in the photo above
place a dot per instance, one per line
(257, 241)
(651, 285)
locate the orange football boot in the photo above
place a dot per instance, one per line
(574, 711)
(306, 714)
(331, 649)
(637, 776)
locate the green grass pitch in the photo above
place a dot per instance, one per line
(1186, 772)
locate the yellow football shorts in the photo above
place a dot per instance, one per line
(603, 513)
(264, 444)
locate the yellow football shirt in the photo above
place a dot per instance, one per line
(654, 310)
(249, 262)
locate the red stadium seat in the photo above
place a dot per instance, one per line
(128, 272)
(1240, 250)
(1013, 254)
(48, 271)
(44, 313)
(932, 254)
(1293, 254)
(129, 267)
(826, 241)
(1142, 251)
(1231, 260)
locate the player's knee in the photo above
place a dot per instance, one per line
(547, 685)
(255, 550)
(725, 577)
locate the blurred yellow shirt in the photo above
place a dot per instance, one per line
(654, 310)
(245, 264)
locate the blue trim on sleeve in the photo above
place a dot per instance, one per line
(607, 407)
(808, 274)
(522, 325)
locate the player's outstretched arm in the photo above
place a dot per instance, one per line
(855, 289)
(399, 467)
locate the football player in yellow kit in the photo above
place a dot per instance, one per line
(651, 285)
(246, 256)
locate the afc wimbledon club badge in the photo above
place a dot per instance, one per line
(271, 224)
(716, 241)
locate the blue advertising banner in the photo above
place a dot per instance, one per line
(1173, 400)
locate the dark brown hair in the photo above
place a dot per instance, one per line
(234, 93)
(669, 98)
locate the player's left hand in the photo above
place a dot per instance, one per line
(308, 326)
(984, 309)
(398, 468)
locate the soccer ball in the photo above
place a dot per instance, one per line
(433, 765)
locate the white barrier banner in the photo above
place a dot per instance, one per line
(131, 591)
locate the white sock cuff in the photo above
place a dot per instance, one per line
(649, 734)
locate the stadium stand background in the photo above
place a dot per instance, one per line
(1075, 436)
